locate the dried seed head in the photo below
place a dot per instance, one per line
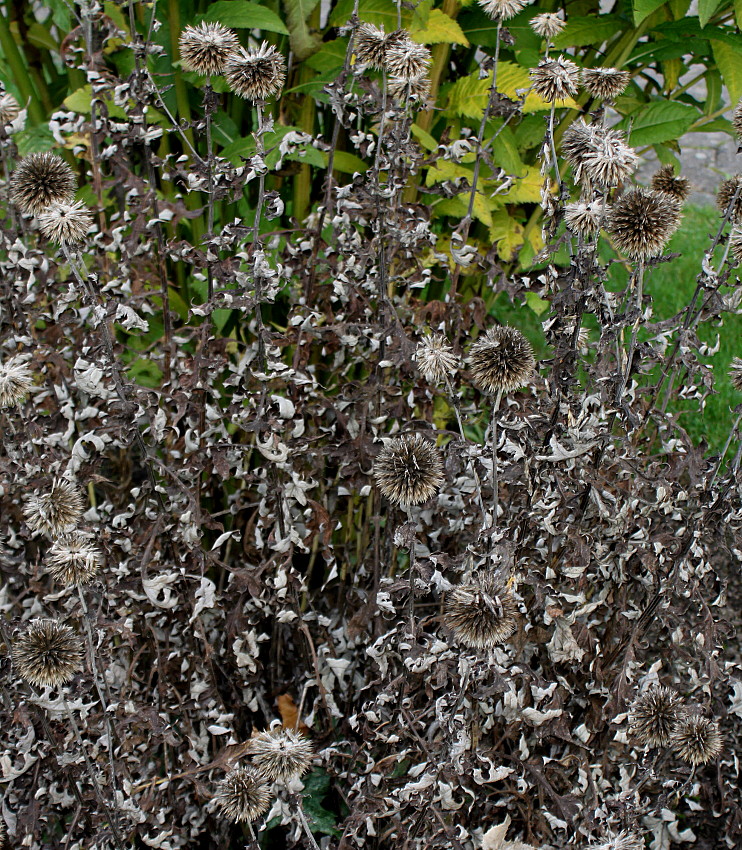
(547, 25)
(502, 10)
(47, 653)
(65, 223)
(57, 511)
(16, 379)
(243, 795)
(610, 162)
(480, 612)
(653, 715)
(409, 470)
(605, 83)
(584, 218)
(9, 111)
(578, 141)
(255, 74)
(735, 373)
(737, 119)
(665, 181)
(623, 840)
(40, 180)
(501, 361)
(435, 359)
(205, 48)
(696, 739)
(735, 246)
(555, 79)
(642, 221)
(3, 835)
(372, 43)
(73, 559)
(415, 88)
(281, 754)
(730, 192)
(407, 60)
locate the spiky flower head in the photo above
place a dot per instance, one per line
(624, 840)
(73, 559)
(65, 223)
(414, 88)
(372, 43)
(409, 470)
(664, 180)
(578, 141)
(547, 25)
(481, 612)
(735, 246)
(642, 221)
(584, 218)
(501, 361)
(737, 119)
(3, 835)
(57, 511)
(696, 739)
(735, 373)
(502, 10)
(40, 180)
(435, 358)
(281, 754)
(243, 795)
(653, 715)
(610, 161)
(555, 79)
(255, 74)
(16, 379)
(730, 193)
(407, 60)
(47, 653)
(206, 47)
(9, 111)
(605, 83)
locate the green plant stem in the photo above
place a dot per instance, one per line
(19, 71)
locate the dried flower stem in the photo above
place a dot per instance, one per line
(639, 285)
(413, 564)
(457, 411)
(730, 437)
(260, 148)
(495, 480)
(305, 826)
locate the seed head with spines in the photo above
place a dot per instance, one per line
(414, 88)
(623, 840)
(501, 361)
(502, 10)
(696, 739)
(584, 217)
(281, 754)
(730, 193)
(578, 141)
(243, 795)
(409, 470)
(547, 25)
(435, 358)
(480, 612)
(255, 75)
(737, 119)
(610, 162)
(653, 715)
(407, 60)
(642, 221)
(555, 79)
(206, 47)
(47, 653)
(40, 180)
(9, 111)
(372, 43)
(664, 180)
(57, 511)
(604, 83)
(65, 223)
(16, 379)
(73, 559)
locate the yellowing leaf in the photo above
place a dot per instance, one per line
(425, 139)
(526, 189)
(507, 233)
(440, 29)
(459, 206)
(444, 169)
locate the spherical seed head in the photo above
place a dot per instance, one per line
(409, 470)
(205, 48)
(578, 141)
(610, 162)
(243, 795)
(435, 359)
(623, 840)
(3, 835)
(47, 653)
(730, 192)
(480, 612)
(256, 74)
(584, 218)
(653, 715)
(737, 119)
(735, 373)
(735, 246)
(642, 221)
(73, 559)
(40, 180)
(696, 739)
(605, 83)
(65, 223)
(665, 181)
(415, 88)
(501, 361)
(281, 754)
(57, 511)
(555, 79)
(9, 111)
(371, 44)
(407, 60)
(547, 25)
(16, 379)
(502, 10)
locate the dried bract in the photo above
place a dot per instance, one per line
(623, 840)
(555, 79)
(16, 379)
(372, 43)
(604, 83)
(664, 180)
(40, 180)
(414, 88)
(584, 218)
(73, 559)
(256, 74)
(408, 60)
(737, 119)
(653, 715)
(3, 835)
(47, 653)
(735, 373)
(409, 470)
(642, 221)
(481, 613)
(501, 361)
(435, 359)
(206, 47)
(502, 10)
(735, 246)
(243, 795)
(730, 196)
(65, 223)
(696, 739)
(281, 754)
(610, 161)
(547, 25)
(9, 111)
(57, 511)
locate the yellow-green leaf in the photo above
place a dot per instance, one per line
(729, 62)
(537, 304)
(302, 41)
(526, 189)
(440, 29)
(425, 139)
(444, 169)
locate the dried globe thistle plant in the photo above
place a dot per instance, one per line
(65, 223)
(414, 88)
(610, 162)
(502, 10)
(735, 373)
(555, 79)
(9, 108)
(206, 47)
(372, 43)
(407, 60)
(73, 559)
(281, 754)
(604, 83)
(3, 835)
(16, 379)
(653, 715)
(547, 25)
(47, 653)
(57, 511)
(40, 180)
(578, 141)
(480, 612)
(501, 361)
(642, 221)
(409, 470)
(696, 739)
(730, 195)
(664, 180)
(243, 795)
(623, 840)
(256, 75)
(737, 119)
(435, 359)
(735, 246)
(584, 218)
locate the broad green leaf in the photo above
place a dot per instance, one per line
(40, 36)
(706, 9)
(661, 121)
(320, 819)
(444, 169)
(526, 189)
(580, 32)
(425, 139)
(349, 163)
(644, 8)
(536, 303)
(34, 140)
(440, 29)
(729, 63)
(420, 15)
(242, 14)
(80, 101)
(458, 207)
(505, 150)
(507, 232)
(738, 12)
(303, 42)
(377, 12)
(330, 57)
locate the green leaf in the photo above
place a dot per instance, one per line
(580, 32)
(505, 150)
(440, 29)
(330, 57)
(425, 139)
(661, 121)
(738, 12)
(377, 12)
(537, 304)
(729, 63)
(40, 36)
(706, 9)
(242, 14)
(36, 139)
(644, 8)
(316, 787)
(145, 372)
(349, 163)
(303, 42)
